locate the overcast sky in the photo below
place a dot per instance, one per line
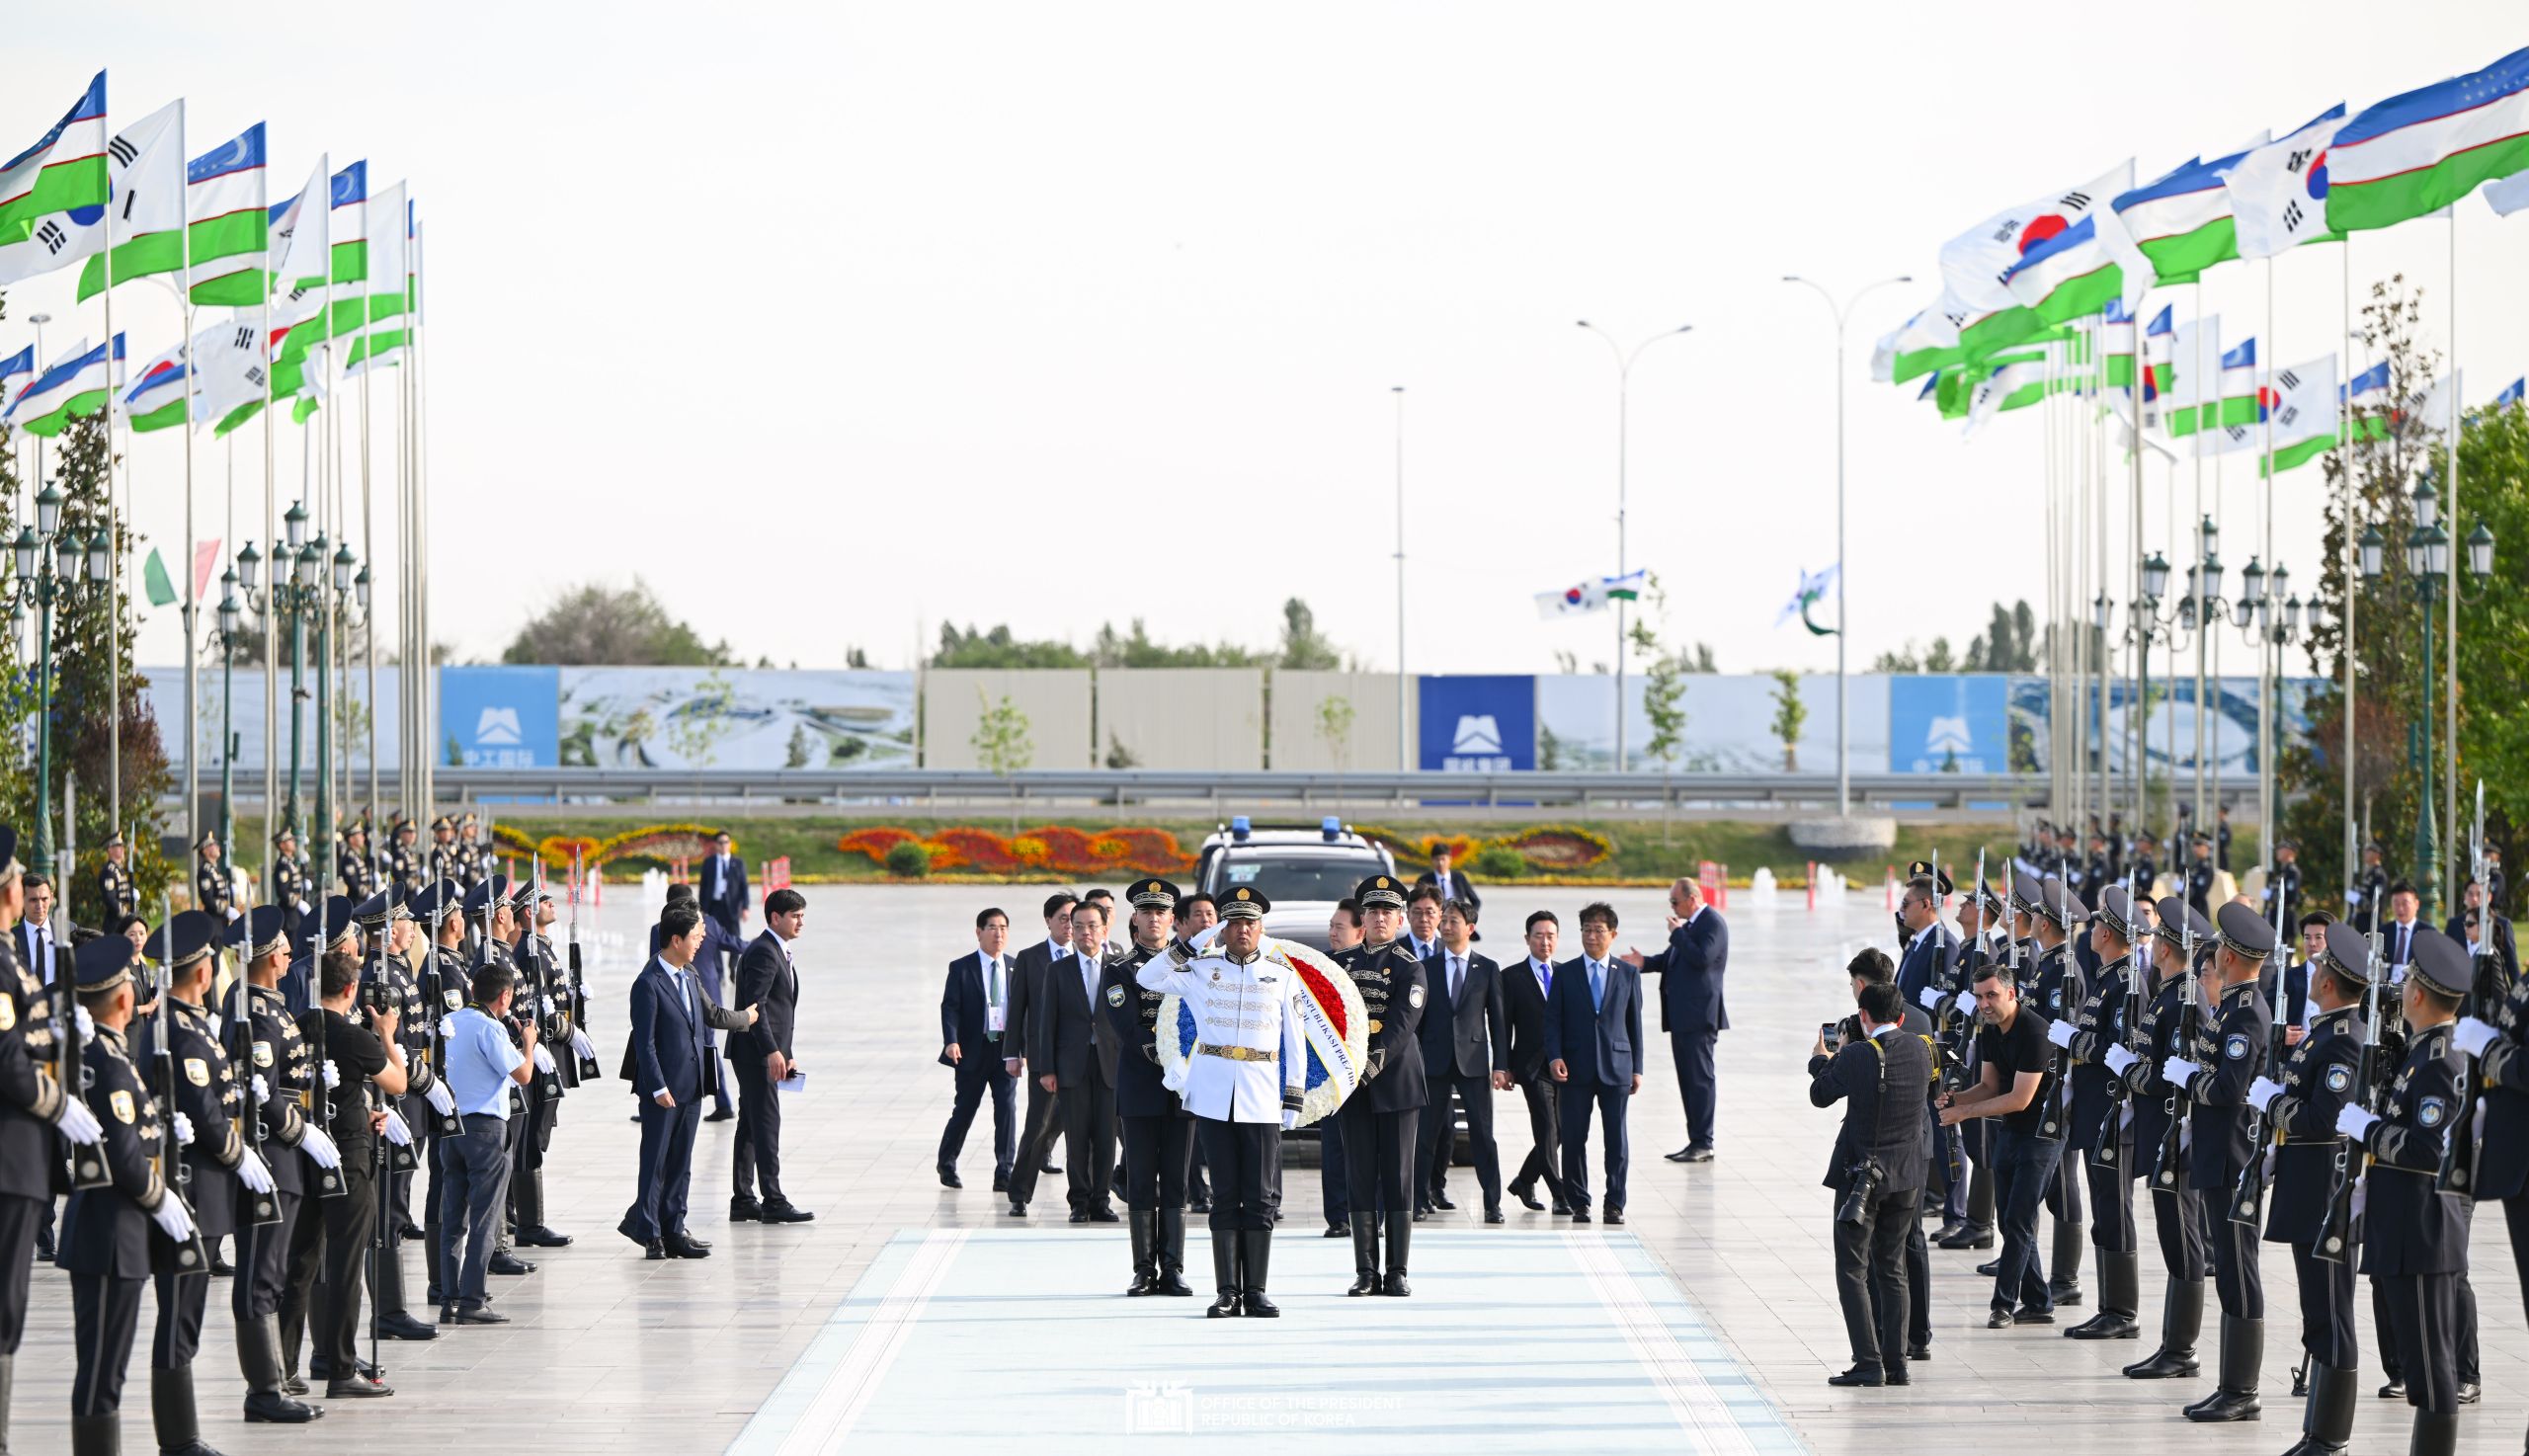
(837, 321)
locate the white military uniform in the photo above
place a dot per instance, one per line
(1250, 1063)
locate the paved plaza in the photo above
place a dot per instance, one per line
(908, 1314)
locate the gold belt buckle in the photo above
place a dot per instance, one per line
(1376, 1025)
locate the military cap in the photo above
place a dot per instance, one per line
(2244, 931)
(258, 931)
(1983, 898)
(114, 840)
(2347, 953)
(1152, 894)
(2059, 904)
(336, 914)
(526, 892)
(103, 963)
(1923, 868)
(2440, 963)
(434, 901)
(2116, 912)
(373, 913)
(283, 833)
(2180, 924)
(470, 821)
(209, 837)
(479, 899)
(2373, 847)
(1377, 890)
(183, 940)
(2201, 837)
(441, 822)
(2026, 893)
(1245, 903)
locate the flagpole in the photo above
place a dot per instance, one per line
(272, 570)
(2450, 586)
(2092, 633)
(114, 550)
(192, 614)
(2138, 661)
(2352, 573)
(2267, 403)
(426, 720)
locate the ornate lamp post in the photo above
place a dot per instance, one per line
(53, 567)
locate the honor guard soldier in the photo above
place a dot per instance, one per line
(2320, 1077)
(2495, 1146)
(2415, 1236)
(473, 855)
(2200, 875)
(2178, 1210)
(213, 894)
(278, 1075)
(542, 997)
(342, 933)
(354, 874)
(2286, 882)
(33, 1111)
(2098, 1128)
(392, 934)
(1158, 1134)
(221, 1170)
(403, 859)
(115, 887)
(2054, 991)
(444, 862)
(106, 1241)
(2213, 1076)
(289, 880)
(1378, 1119)
(2367, 903)
(1244, 1082)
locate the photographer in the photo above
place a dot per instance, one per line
(1877, 1173)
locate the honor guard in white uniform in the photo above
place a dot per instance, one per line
(1243, 1084)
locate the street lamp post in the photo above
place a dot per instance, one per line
(55, 567)
(1843, 314)
(231, 622)
(1624, 377)
(308, 588)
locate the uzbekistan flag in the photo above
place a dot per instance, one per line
(2181, 221)
(347, 229)
(2419, 152)
(2512, 394)
(54, 190)
(2296, 417)
(79, 385)
(21, 363)
(228, 225)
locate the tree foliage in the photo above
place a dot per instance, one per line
(1301, 646)
(594, 625)
(1790, 716)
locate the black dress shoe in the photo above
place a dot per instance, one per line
(357, 1389)
(221, 1268)
(1079, 1217)
(510, 1264)
(1698, 1154)
(1339, 1231)
(274, 1409)
(624, 1228)
(1615, 1216)
(1999, 1320)
(1919, 1352)
(541, 1236)
(1580, 1215)
(784, 1213)
(654, 1250)
(1677, 1157)
(748, 1211)
(1528, 1200)
(685, 1248)
(2028, 1314)
(1494, 1215)
(1421, 1211)
(1000, 1182)
(480, 1317)
(1201, 1205)
(1017, 1209)
(413, 1233)
(1947, 1231)
(404, 1327)
(1562, 1207)
(2394, 1389)
(2063, 1292)
(1972, 1235)
(1098, 1215)
(1862, 1375)
(1897, 1375)
(1989, 1269)
(718, 1115)
(948, 1178)
(1442, 1200)
(1050, 1169)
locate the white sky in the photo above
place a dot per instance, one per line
(835, 321)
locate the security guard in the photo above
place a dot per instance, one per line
(220, 1168)
(2055, 988)
(2414, 1242)
(2501, 1167)
(1246, 1076)
(2321, 1078)
(1380, 1118)
(212, 892)
(2097, 1126)
(389, 931)
(282, 1072)
(115, 887)
(2200, 875)
(540, 996)
(1158, 1135)
(353, 874)
(106, 1241)
(2178, 1215)
(289, 880)
(2214, 1074)
(2367, 903)
(446, 981)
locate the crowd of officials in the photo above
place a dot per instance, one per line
(2352, 1103)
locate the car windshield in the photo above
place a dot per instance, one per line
(1285, 878)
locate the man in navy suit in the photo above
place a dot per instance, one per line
(671, 1067)
(1594, 1047)
(720, 882)
(1930, 954)
(718, 950)
(974, 1013)
(1691, 1007)
(1466, 1050)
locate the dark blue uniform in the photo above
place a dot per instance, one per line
(2231, 1046)
(2415, 1239)
(2320, 1077)
(107, 1244)
(2097, 1116)
(1380, 1118)
(1158, 1132)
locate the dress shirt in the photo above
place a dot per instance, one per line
(480, 1060)
(996, 1014)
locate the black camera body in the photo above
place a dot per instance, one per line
(1862, 1182)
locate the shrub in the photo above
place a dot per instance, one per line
(1500, 862)
(908, 860)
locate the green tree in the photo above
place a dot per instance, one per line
(1304, 647)
(1002, 745)
(1790, 715)
(2009, 643)
(1000, 650)
(1335, 717)
(1664, 685)
(795, 753)
(597, 626)
(2493, 637)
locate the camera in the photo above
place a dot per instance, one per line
(1833, 1038)
(1861, 1188)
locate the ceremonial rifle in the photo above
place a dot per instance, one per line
(590, 1070)
(2335, 1236)
(2132, 995)
(2248, 1198)
(2172, 1162)
(263, 1210)
(329, 1180)
(193, 1255)
(2459, 1149)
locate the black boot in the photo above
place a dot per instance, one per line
(171, 1411)
(2434, 1435)
(258, 1356)
(2182, 1321)
(1365, 1257)
(2120, 1282)
(8, 1379)
(96, 1436)
(2327, 1428)
(1224, 1275)
(2243, 1346)
(1255, 1252)
(1400, 1233)
(2065, 1288)
(1171, 1254)
(1145, 1225)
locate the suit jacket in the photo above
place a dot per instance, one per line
(712, 960)
(1601, 1044)
(1887, 1128)
(724, 897)
(1928, 963)
(1461, 887)
(671, 1046)
(1026, 992)
(963, 1020)
(1690, 972)
(1064, 1036)
(1524, 1002)
(1470, 1035)
(768, 982)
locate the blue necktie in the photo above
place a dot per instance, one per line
(1545, 977)
(1597, 986)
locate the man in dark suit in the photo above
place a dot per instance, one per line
(672, 1067)
(1445, 880)
(1594, 1047)
(720, 884)
(2293, 1004)
(1073, 1059)
(1881, 1077)
(763, 1056)
(718, 950)
(1691, 1011)
(974, 1017)
(1525, 986)
(1466, 1049)
(1027, 971)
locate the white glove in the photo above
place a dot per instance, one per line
(2263, 1091)
(2473, 1036)
(447, 1026)
(581, 1044)
(316, 1145)
(333, 1075)
(2120, 1058)
(1929, 996)
(543, 1059)
(2060, 1033)
(1966, 1001)
(397, 1131)
(1290, 1121)
(87, 1023)
(254, 1172)
(442, 1100)
(171, 1218)
(2178, 1070)
(545, 1002)
(2353, 1122)
(77, 1124)
(262, 1092)
(184, 1131)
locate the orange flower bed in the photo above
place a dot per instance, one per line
(1056, 847)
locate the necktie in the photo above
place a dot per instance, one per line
(1457, 978)
(1545, 977)
(992, 991)
(1597, 986)
(685, 992)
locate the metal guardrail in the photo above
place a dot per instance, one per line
(1240, 791)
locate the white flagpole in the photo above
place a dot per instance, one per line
(2351, 567)
(368, 534)
(114, 550)
(2450, 585)
(2266, 402)
(191, 615)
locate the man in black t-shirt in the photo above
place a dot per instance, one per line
(2016, 1087)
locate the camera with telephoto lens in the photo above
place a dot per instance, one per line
(1861, 1186)
(376, 996)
